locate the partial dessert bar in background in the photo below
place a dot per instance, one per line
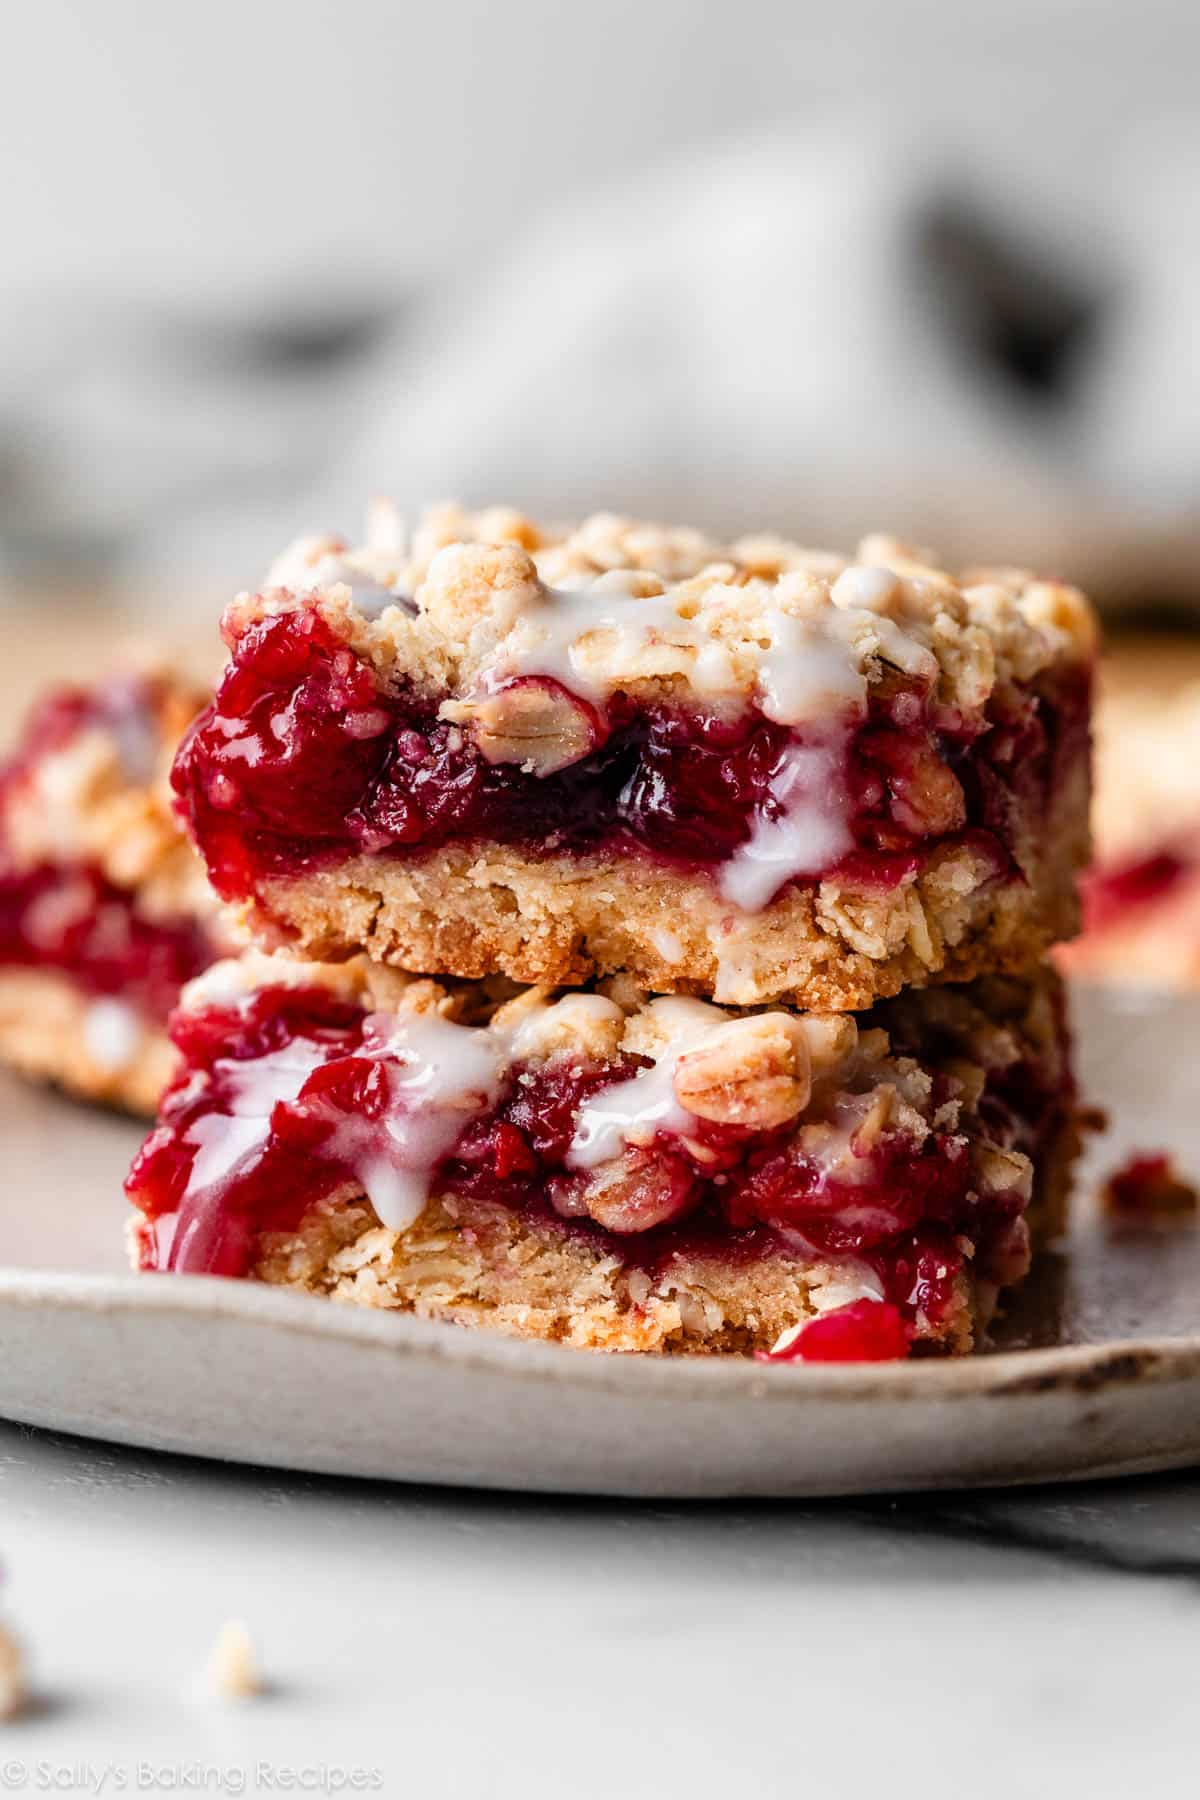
(105, 911)
(610, 1170)
(1141, 899)
(749, 771)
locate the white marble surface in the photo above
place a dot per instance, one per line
(465, 1644)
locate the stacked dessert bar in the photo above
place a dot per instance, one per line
(651, 938)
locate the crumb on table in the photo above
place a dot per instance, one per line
(233, 1672)
(13, 1689)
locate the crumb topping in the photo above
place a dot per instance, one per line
(467, 603)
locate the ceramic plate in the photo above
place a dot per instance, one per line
(1095, 1372)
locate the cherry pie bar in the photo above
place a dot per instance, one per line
(612, 1170)
(750, 772)
(104, 908)
(1141, 899)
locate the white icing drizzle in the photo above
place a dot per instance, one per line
(576, 1015)
(223, 983)
(808, 672)
(904, 651)
(112, 1033)
(439, 1075)
(551, 639)
(812, 834)
(302, 572)
(231, 980)
(810, 668)
(448, 1073)
(369, 597)
(632, 1111)
(865, 587)
(595, 633)
(222, 1145)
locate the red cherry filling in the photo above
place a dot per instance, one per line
(68, 916)
(862, 1331)
(1148, 1186)
(294, 1092)
(75, 921)
(837, 1215)
(1111, 892)
(303, 756)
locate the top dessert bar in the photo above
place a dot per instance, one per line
(750, 770)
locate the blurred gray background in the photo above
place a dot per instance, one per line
(925, 266)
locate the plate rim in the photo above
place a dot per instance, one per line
(1078, 1368)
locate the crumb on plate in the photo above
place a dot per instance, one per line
(1148, 1186)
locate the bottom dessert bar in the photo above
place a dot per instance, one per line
(610, 1170)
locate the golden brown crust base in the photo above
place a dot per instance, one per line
(44, 1036)
(472, 911)
(482, 1265)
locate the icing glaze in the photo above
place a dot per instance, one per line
(634, 1111)
(436, 1074)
